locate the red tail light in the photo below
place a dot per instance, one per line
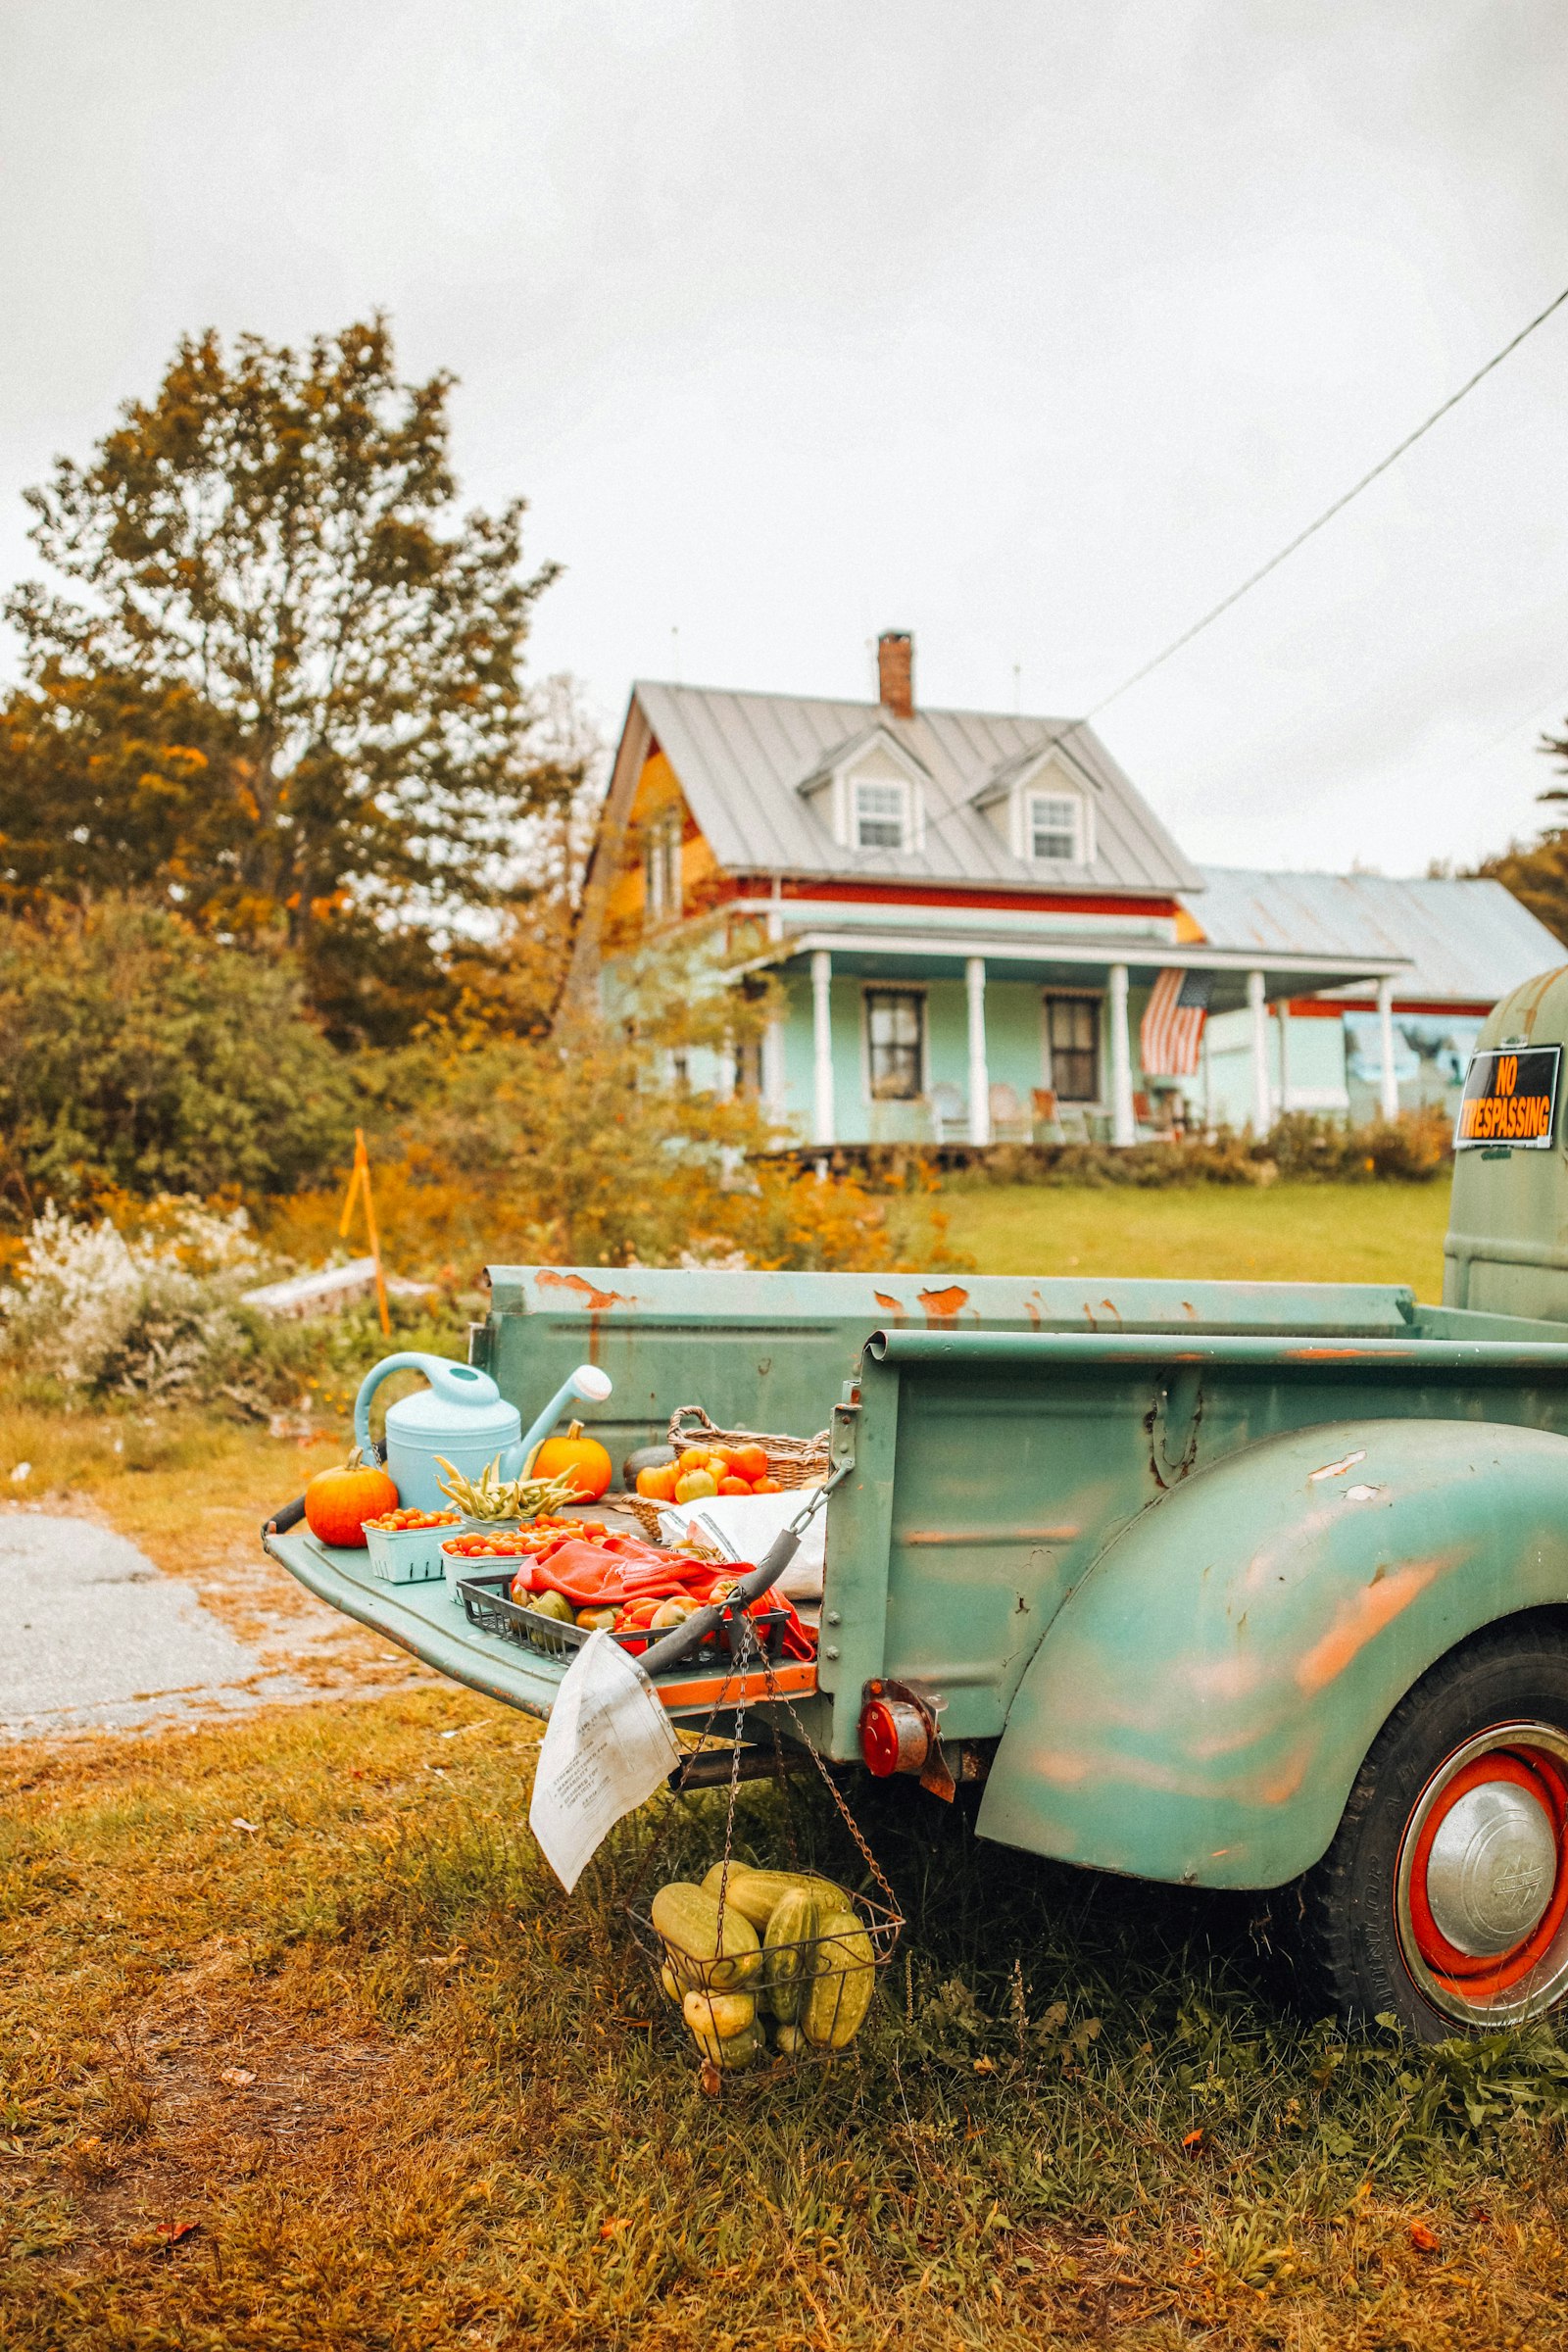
(895, 1737)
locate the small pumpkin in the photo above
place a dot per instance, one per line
(582, 1460)
(338, 1502)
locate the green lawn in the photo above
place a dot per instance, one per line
(1284, 1233)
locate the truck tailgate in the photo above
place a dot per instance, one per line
(425, 1619)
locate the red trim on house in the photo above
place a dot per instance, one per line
(1316, 1008)
(928, 894)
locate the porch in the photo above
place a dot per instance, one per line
(986, 1041)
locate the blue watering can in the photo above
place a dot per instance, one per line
(462, 1416)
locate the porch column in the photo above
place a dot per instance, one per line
(1281, 1013)
(773, 1068)
(1390, 1083)
(1123, 1124)
(974, 980)
(1262, 1119)
(822, 1046)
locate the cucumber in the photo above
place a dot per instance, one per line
(754, 1892)
(839, 1992)
(686, 1919)
(787, 1955)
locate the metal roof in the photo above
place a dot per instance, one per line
(1466, 941)
(741, 759)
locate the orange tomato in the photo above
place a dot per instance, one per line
(658, 1486)
(750, 1462)
(767, 1486)
(734, 1485)
(695, 1457)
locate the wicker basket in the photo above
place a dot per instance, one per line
(793, 1461)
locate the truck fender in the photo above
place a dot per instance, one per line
(1202, 1703)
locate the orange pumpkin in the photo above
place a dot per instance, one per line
(338, 1502)
(581, 1460)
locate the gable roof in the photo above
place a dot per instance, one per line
(1466, 941)
(741, 759)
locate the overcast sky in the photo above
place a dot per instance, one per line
(1031, 327)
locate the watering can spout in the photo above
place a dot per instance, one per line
(588, 1383)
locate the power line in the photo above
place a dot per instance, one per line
(1246, 587)
(1338, 508)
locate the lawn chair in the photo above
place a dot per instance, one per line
(1046, 1123)
(949, 1115)
(1008, 1123)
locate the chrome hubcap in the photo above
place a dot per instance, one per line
(1479, 1878)
(1491, 1867)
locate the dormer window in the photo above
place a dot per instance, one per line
(1055, 823)
(881, 813)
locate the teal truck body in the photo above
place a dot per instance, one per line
(1233, 1585)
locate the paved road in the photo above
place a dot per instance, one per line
(95, 1639)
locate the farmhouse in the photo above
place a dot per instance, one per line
(983, 933)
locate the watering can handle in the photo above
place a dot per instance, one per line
(459, 1383)
(587, 1383)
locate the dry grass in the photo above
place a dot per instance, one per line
(360, 2076)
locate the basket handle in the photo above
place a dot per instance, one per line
(673, 1646)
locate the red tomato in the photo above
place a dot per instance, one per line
(750, 1462)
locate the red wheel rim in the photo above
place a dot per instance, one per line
(1478, 1979)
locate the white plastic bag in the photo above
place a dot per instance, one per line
(607, 1747)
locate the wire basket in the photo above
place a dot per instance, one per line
(488, 1605)
(812, 1997)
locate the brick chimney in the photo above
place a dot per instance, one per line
(895, 671)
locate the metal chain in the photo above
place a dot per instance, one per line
(873, 1866)
(655, 1838)
(738, 1655)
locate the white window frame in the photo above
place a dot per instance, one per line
(895, 988)
(897, 785)
(1072, 803)
(661, 891)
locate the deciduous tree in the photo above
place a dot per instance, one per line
(282, 683)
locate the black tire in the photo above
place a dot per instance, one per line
(1357, 1942)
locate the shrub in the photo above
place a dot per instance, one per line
(151, 1316)
(137, 1054)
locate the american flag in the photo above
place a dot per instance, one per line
(1172, 1027)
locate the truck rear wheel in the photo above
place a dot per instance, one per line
(1444, 1897)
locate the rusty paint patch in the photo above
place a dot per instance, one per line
(889, 1305)
(1112, 1308)
(1031, 1307)
(1359, 1618)
(944, 1306)
(1188, 1309)
(1336, 1469)
(596, 1302)
(1282, 1785)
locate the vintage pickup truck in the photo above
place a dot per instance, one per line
(1225, 1584)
